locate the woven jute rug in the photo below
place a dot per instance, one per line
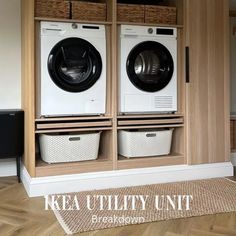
(100, 209)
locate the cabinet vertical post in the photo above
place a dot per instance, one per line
(28, 81)
(208, 91)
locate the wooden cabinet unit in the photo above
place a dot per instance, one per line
(34, 125)
(201, 123)
(207, 97)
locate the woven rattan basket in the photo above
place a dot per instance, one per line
(160, 14)
(130, 13)
(89, 11)
(52, 8)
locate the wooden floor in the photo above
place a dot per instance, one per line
(20, 215)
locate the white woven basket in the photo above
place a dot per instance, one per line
(56, 148)
(144, 143)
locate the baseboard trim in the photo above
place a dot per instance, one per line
(8, 167)
(121, 178)
(233, 158)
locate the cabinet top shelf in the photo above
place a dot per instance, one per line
(133, 116)
(149, 24)
(72, 118)
(72, 21)
(105, 22)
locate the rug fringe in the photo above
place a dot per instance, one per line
(230, 180)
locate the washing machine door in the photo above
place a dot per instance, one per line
(74, 65)
(150, 66)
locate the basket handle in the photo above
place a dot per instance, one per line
(151, 135)
(74, 139)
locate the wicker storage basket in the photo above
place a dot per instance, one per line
(52, 8)
(160, 14)
(144, 143)
(130, 13)
(55, 148)
(89, 11)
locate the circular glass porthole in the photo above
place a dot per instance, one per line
(150, 66)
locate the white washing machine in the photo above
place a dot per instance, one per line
(148, 69)
(72, 78)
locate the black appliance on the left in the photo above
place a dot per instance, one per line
(12, 136)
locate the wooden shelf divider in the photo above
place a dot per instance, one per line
(151, 121)
(73, 125)
(142, 162)
(150, 126)
(50, 131)
(143, 116)
(73, 21)
(71, 118)
(45, 169)
(149, 24)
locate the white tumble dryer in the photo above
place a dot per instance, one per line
(148, 69)
(72, 72)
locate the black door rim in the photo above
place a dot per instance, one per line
(55, 60)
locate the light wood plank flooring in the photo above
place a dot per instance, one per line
(20, 215)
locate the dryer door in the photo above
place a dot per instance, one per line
(74, 65)
(150, 66)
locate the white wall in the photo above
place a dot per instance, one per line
(10, 54)
(10, 66)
